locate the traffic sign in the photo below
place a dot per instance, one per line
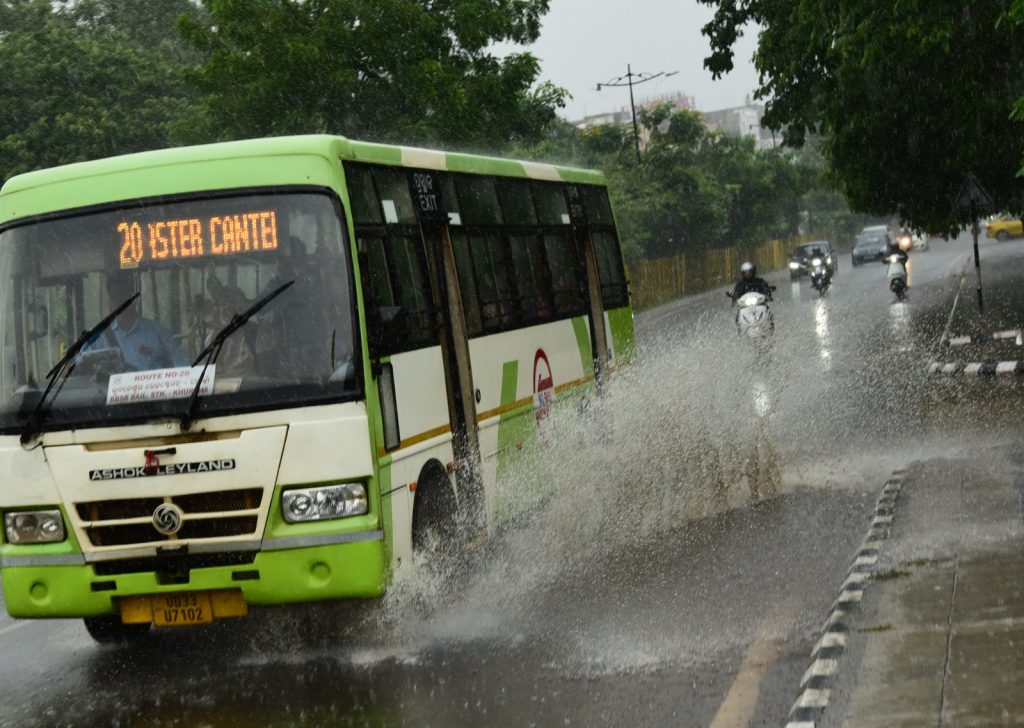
(972, 196)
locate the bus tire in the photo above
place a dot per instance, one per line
(112, 631)
(436, 529)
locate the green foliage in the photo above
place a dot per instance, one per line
(389, 70)
(77, 85)
(909, 96)
(693, 190)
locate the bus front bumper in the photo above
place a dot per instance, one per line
(336, 571)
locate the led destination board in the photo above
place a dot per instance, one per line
(216, 235)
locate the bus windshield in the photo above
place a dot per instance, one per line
(196, 264)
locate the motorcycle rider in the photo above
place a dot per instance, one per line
(899, 246)
(750, 282)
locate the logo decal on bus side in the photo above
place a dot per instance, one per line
(143, 471)
(543, 389)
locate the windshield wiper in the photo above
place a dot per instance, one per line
(63, 368)
(212, 351)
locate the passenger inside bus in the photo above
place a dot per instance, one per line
(237, 357)
(144, 344)
(298, 339)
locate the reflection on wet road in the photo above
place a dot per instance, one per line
(673, 576)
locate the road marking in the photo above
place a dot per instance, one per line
(821, 668)
(816, 684)
(11, 627)
(1015, 334)
(845, 597)
(830, 639)
(741, 701)
(813, 698)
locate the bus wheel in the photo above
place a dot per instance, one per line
(112, 631)
(436, 533)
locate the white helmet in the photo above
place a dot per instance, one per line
(747, 266)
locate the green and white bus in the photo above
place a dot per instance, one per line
(265, 372)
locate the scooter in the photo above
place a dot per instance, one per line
(753, 317)
(821, 278)
(897, 276)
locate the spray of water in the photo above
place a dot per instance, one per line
(685, 433)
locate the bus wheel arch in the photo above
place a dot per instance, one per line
(435, 511)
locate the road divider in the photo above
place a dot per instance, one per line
(819, 678)
(1013, 367)
(1014, 335)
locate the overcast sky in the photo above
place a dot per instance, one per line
(584, 42)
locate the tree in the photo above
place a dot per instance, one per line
(693, 191)
(405, 71)
(909, 96)
(74, 90)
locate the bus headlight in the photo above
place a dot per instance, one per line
(323, 503)
(34, 527)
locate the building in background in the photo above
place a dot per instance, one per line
(742, 121)
(678, 101)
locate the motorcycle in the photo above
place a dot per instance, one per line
(753, 317)
(821, 277)
(897, 274)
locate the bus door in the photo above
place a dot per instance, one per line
(595, 309)
(454, 336)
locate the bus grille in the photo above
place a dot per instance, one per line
(220, 514)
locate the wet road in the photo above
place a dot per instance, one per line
(679, 576)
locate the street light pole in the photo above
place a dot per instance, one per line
(627, 80)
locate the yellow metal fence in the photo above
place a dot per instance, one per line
(663, 279)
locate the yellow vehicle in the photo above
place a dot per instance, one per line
(1003, 228)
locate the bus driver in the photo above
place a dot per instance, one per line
(144, 343)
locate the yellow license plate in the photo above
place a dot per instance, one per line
(181, 609)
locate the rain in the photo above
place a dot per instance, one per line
(539, 395)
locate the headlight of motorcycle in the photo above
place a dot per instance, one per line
(816, 261)
(34, 527)
(323, 503)
(793, 265)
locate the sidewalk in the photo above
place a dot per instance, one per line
(977, 343)
(940, 633)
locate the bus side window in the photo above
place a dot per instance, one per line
(552, 209)
(395, 199)
(467, 284)
(377, 293)
(566, 271)
(478, 199)
(530, 263)
(516, 202)
(595, 202)
(493, 275)
(400, 316)
(362, 196)
(609, 267)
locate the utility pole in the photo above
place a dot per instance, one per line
(628, 80)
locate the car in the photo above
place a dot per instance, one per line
(800, 260)
(1004, 228)
(870, 245)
